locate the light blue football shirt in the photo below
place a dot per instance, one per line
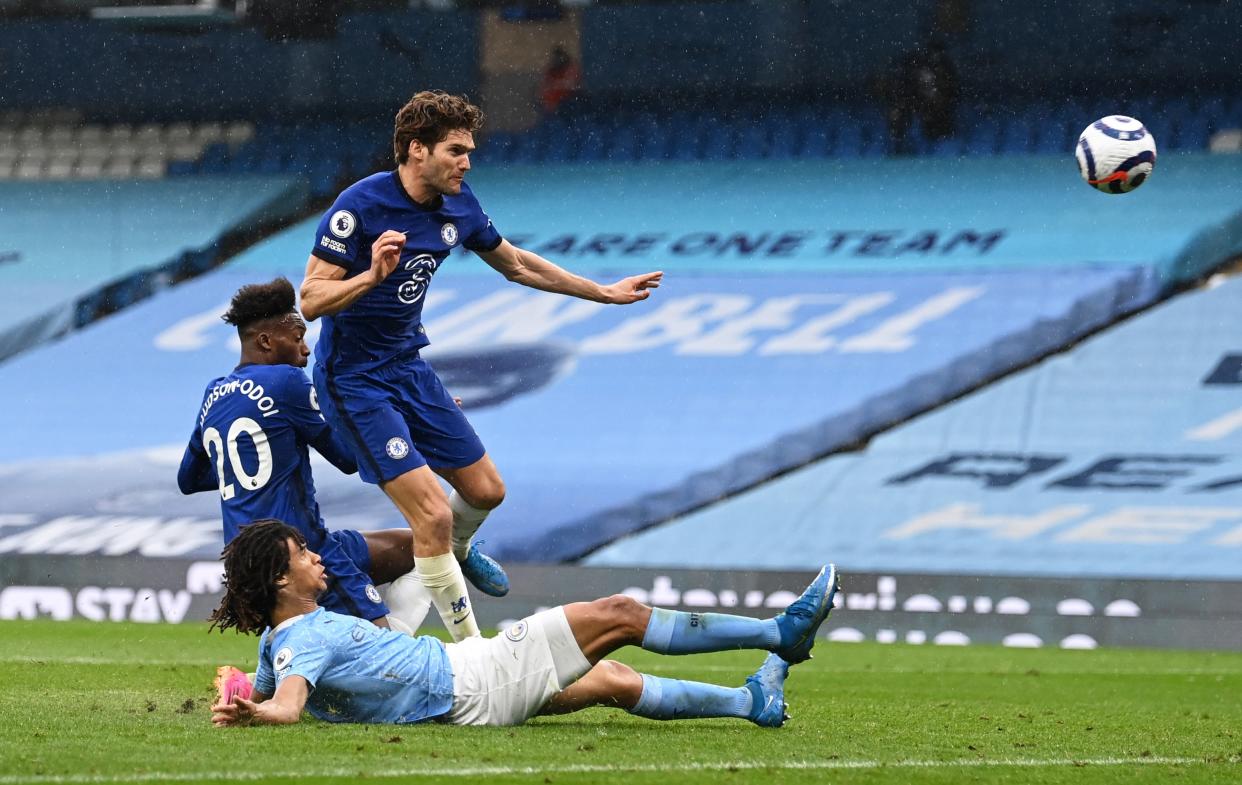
(357, 672)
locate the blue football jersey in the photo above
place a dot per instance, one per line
(357, 672)
(250, 444)
(386, 322)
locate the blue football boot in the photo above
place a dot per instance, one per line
(484, 572)
(799, 622)
(767, 690)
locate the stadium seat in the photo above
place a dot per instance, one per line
(623, 146)
(654, 138)
(752, 140)
(1018, 137)
(208, 133)
(848, 142)
(592, 140)
(720, 141)
(1192, 132)
(494, 148)
(1054, 136)
(90, 135)
(950, 147)
(119, 167)
(238, 134)
(982, 137)
(120, 132)
(687, 131)
(61, 165)
(90, 167)
(784, 140)
(31, 168)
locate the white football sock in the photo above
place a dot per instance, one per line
(466, 521)
(443, 579)
(408, 602)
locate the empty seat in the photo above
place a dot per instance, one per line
(187, 150)
(30, 169)
(238, 134)
(720, 141)
(89, 168)
(208, 133)
(90, 135)
(119, 167)
(61, 168)
(151, 168)
(178, 132)
(148, 134)
(752, 140)
(120, 133)
(623, 146)
(61, 135)
(31, 136)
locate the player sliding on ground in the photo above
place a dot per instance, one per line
(343, 669)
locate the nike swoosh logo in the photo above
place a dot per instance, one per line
(768, 705)
(459, 621)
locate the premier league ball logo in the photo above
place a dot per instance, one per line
(342, 223)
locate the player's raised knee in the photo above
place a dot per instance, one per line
(491, 494)
(624, 612)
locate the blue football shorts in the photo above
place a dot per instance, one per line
(348, 564)
(397, 418)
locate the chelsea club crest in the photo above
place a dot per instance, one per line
(448, 233)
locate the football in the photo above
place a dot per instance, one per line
(1116, 154)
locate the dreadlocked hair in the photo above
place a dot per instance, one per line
(257, 302)
(254, 563)
(429, 117)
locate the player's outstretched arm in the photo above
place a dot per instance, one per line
(531, 269)
(284, 708)
(325, 289)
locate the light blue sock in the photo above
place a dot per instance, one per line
(677, 632)
(674, 699)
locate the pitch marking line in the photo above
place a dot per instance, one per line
(31, 659)
(484, 771)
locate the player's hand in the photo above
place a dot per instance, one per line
(386, 254)
(239, 712)
(632, 289)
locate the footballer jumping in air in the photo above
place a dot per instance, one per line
(374, 255)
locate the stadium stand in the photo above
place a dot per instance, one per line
(67, 244)
(812, 131)
(1118, 458)
(41, 148)
(781, 334)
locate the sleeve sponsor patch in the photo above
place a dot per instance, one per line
(332, 245)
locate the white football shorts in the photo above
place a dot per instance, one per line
(506, 680)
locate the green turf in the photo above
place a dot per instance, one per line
(82, 702)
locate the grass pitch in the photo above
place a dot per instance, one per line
(86, 703)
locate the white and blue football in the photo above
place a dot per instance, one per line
(1116, 154)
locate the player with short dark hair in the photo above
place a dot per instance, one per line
(250, 444)
(345, 670)
(375, 253)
